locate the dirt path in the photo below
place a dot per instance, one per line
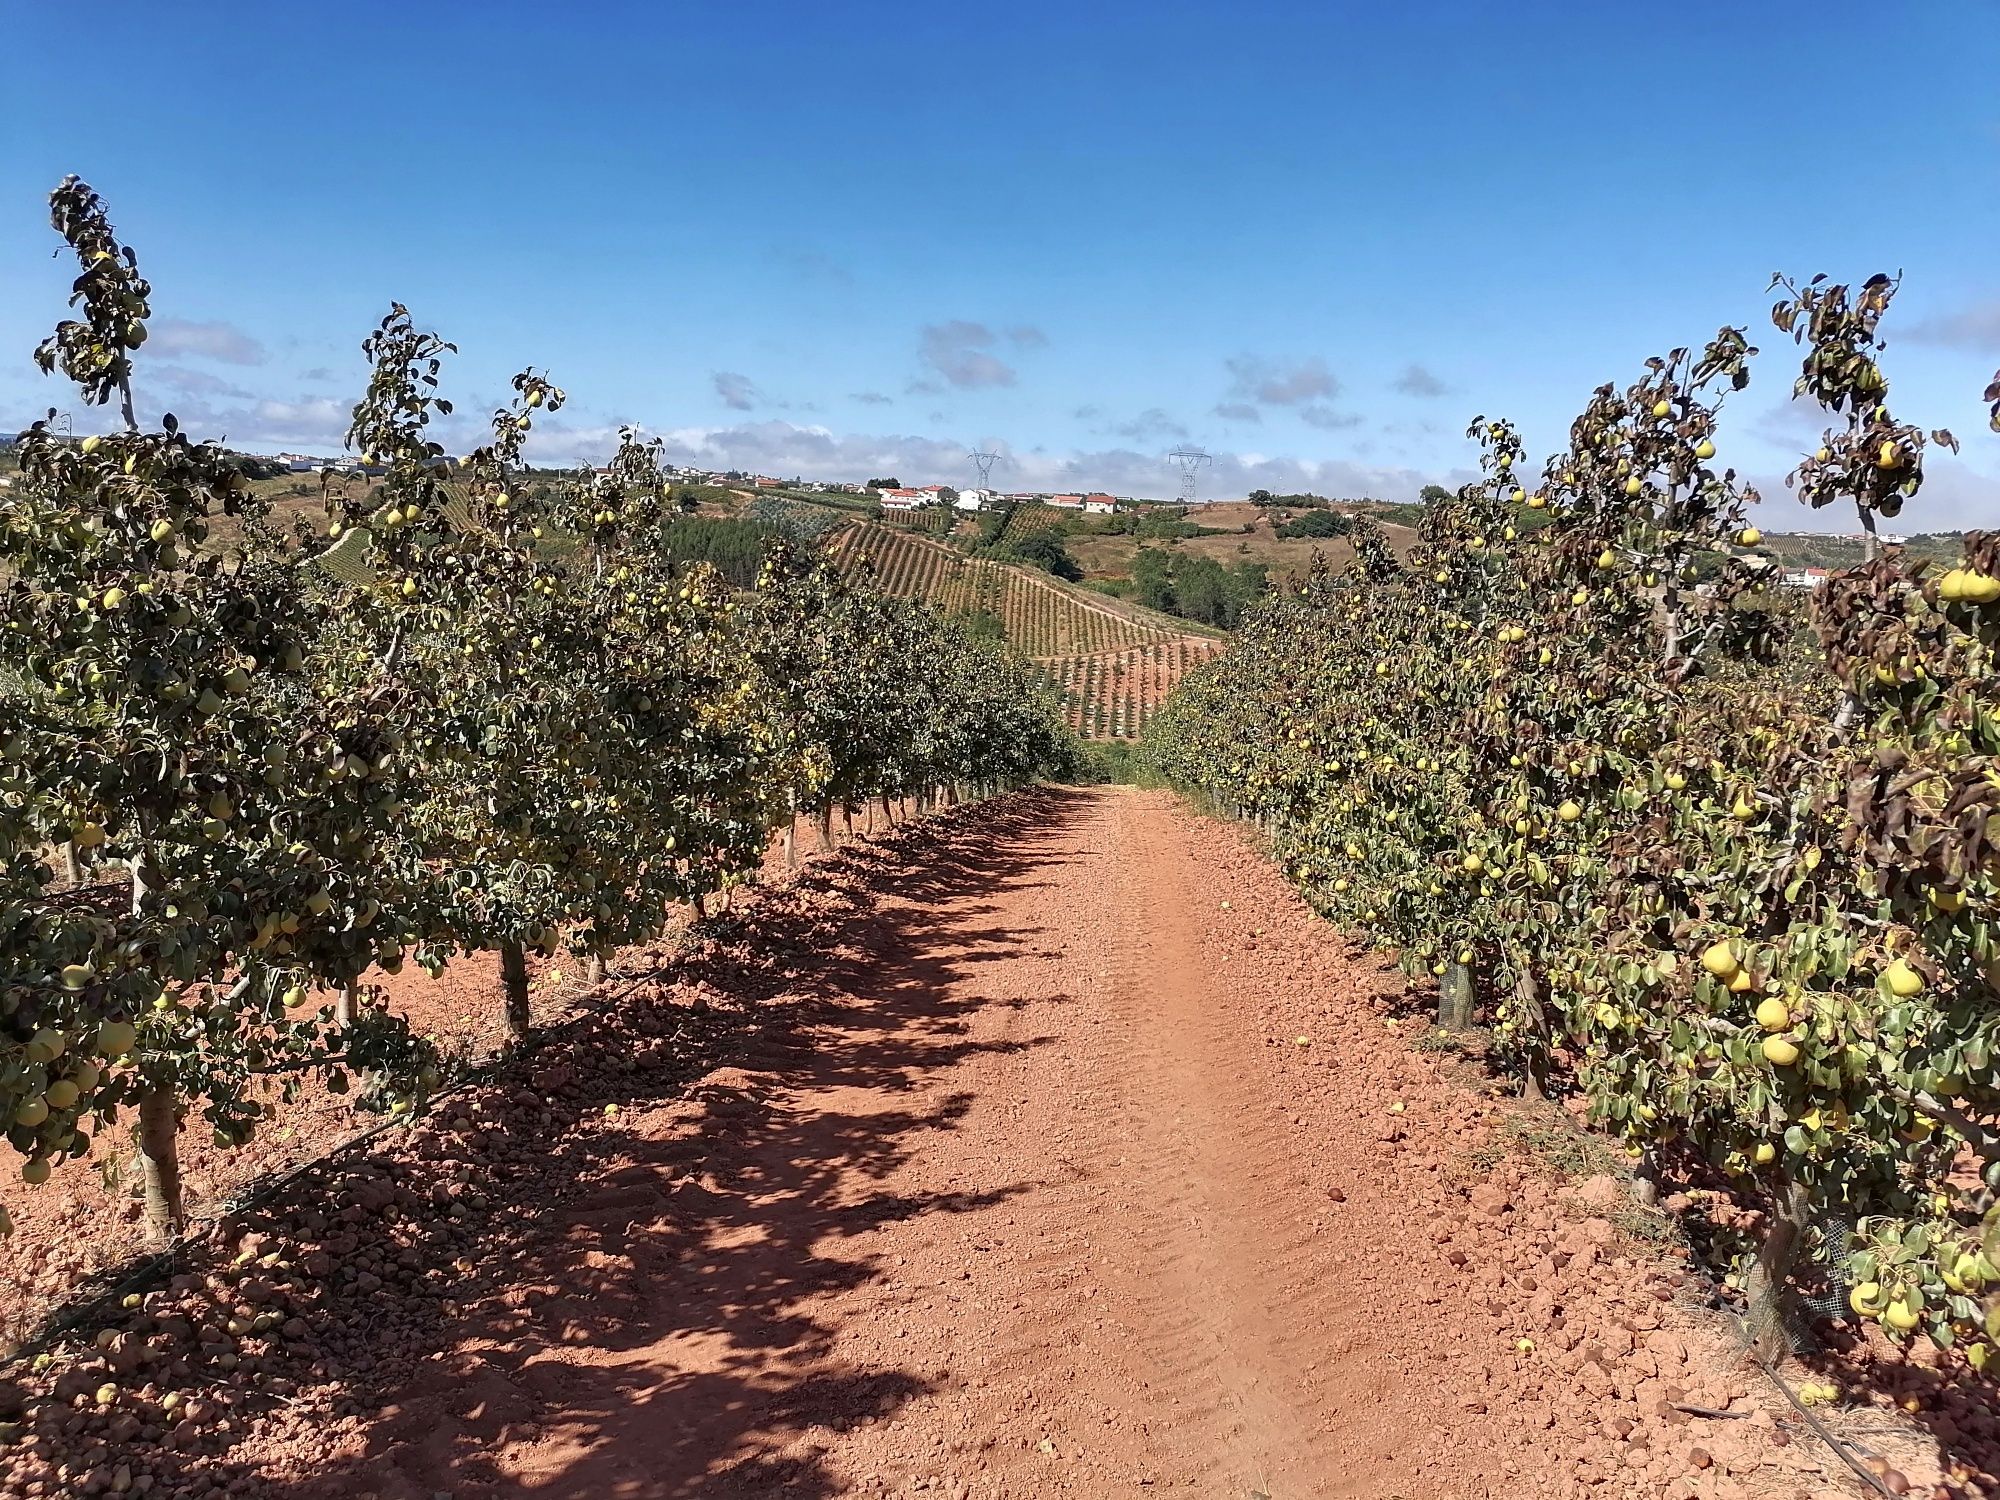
(1059, 1152)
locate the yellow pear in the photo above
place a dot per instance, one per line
(1780, 1051)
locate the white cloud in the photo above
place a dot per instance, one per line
(1954, 497)
(195, 383)
(778, 447)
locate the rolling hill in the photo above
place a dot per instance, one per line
(1113, 661)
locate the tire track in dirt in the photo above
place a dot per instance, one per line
(1237, 1259)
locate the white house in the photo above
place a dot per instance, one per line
(1099, 505)
(905, 499)
(974, 499)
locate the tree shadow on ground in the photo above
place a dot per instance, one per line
(644, 1310)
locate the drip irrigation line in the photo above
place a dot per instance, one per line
(1842, 1449)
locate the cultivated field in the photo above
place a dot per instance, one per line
(1114, 662)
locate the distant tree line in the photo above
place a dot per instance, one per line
(1315, 523)
(1196, 588)
(1043, 549)
(735, 547)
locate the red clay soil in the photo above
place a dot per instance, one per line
(85, 1228)
(1046, 1148)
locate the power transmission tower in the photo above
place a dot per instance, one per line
(984, 462)
(1189, 459)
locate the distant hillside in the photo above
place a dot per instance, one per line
(1806, 549)
(1114, 661)
(1242, 533)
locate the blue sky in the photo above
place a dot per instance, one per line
(859, 239)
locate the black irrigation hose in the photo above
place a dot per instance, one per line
(1840, 1446)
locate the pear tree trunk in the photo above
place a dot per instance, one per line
(514, 986)
(1455, 991)
(160, 1163)
(1768, 1286)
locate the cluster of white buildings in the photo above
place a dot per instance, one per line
(1090, 505)
(917, 499)
(977, 499)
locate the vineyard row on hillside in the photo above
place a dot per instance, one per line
(1041, 617)
(1114, 694)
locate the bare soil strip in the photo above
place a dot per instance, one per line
(1050, 1148)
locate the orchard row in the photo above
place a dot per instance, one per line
(1720, 862)
(511, 724)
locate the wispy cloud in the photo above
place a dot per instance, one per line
(1280, 382)
(1150, 423)
(1028, 336)
(1976, 328)
(214, 340)
(737, 392)
(812, 266)
(1418, 381)
(1238, 411)
(198, 383)
(1322, 416)
(1799, 423)
(958, 352)
(872, 398)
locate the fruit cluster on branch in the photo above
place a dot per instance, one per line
(464, 713)
(1722, 865)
